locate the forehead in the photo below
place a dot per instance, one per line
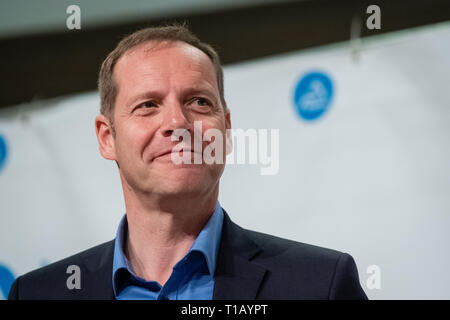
(158, 61)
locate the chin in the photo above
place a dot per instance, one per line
(186, 181)
(182, 190)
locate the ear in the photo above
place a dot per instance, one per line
(229, 144)
(106, 142)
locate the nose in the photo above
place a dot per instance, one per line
(175, 117)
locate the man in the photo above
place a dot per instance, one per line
(176, 241)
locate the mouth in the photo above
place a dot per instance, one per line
(179, 152)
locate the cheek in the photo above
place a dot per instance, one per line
(133, 141)
(217, 122)
(213, 131)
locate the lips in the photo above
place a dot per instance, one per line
(166, 152)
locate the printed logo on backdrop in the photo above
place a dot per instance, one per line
(3, 152)
(6, 281)
(313, 95)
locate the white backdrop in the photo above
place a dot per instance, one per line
(370, 176)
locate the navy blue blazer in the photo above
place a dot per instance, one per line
(251, 265)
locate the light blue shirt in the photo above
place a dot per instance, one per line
(192, 277)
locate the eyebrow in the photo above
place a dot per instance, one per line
(143, 96)
(156, 94)
(201, 90)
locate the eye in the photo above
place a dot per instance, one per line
(202, 101)
(147, 105)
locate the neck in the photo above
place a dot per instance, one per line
(162, 230)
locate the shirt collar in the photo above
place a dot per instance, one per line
(207, 242)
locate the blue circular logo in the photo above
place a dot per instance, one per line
(313, 95)
(6, 280)
(3, 152)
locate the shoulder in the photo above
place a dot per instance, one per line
(305, 271)
(50, 281)
(288, 251)
(272, 247)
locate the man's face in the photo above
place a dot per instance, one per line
(164, 86)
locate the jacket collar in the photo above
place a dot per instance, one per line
(237, 277)
(98, 274)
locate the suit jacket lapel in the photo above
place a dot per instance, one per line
(237, 277)
(98, 278)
